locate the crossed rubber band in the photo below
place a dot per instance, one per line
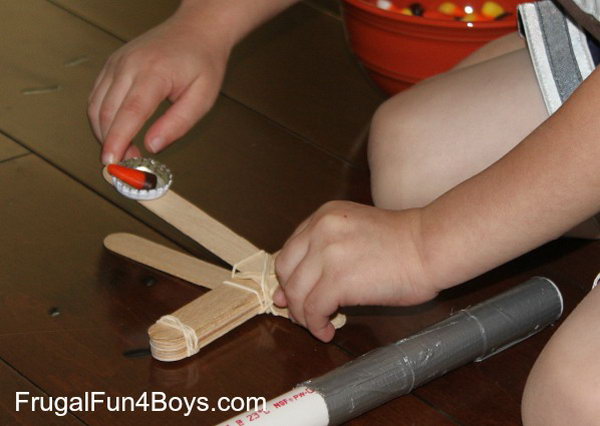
(192, 344)
(264, 296)
(190, 338)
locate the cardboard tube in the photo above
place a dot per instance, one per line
(472, 334)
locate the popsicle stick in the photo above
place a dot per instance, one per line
(167, 260)
(211, 316)
(201, 227)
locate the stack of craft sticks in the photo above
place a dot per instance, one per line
(235, 296)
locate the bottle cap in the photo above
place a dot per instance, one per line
(164, 179)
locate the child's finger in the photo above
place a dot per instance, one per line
(293, 255)
(132, 152)
(181, 116)
(97, 82)
(301, 283)
(139, 104)
(319, 305)
(94, 106)
(290, 256)
(112, 102)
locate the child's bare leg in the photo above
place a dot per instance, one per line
(564, 385)
(500, 46)
(444, 130)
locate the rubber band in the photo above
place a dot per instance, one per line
(235, 271)
(245, 288)
(264, 297)
(267, 282)
(189, 334)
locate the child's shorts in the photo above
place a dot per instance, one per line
(563, 52)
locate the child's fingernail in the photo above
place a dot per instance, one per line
(108, 158)
(155, 144)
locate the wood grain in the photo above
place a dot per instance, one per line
(211, 316)
(12, 382)
(169, 261)
(9, 149)
(329, 6)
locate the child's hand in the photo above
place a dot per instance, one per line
(351, 254)
(174, 60)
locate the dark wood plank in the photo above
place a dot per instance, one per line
(9, 149)
(235, 164)
(54, 230)
(330, 101)
(332, 7)
(124, 19)
(405, 410)
(65, 297)
(486, 393)
(128, 19)
(12, 382)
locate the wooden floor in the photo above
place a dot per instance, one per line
(286, 135)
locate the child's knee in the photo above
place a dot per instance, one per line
(382, 132)
(560, 391)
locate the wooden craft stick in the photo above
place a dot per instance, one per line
(201, 227)
(215, 313)
(167, 260)
(209, 317)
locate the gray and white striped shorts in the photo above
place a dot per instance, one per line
(562, 51)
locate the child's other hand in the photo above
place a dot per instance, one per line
(350, 254)
(174, 60)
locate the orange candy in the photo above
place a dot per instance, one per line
(133, 177)
(447, 10)
(492, 10)
(450, 9)
(475, 17)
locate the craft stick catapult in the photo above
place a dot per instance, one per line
(236, 295)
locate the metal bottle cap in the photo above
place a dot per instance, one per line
(163, 182)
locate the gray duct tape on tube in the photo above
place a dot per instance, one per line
(469, 335)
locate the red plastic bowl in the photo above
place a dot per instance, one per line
(399, 50)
